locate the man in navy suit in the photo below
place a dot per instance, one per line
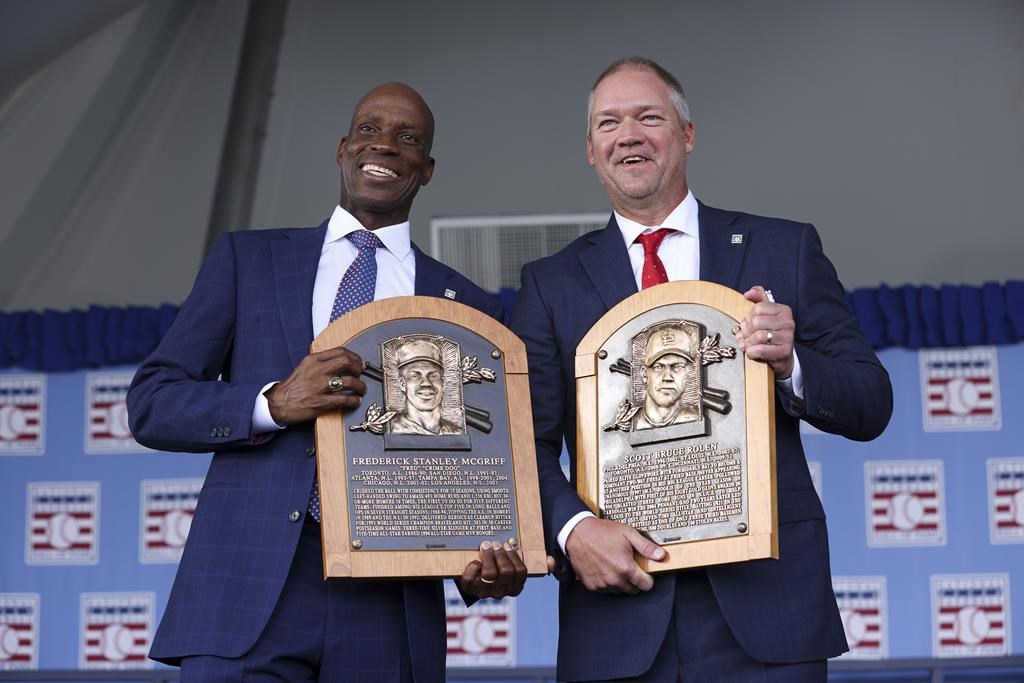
(234, 375)
(765, 620)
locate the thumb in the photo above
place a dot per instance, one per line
(645, 546)
(755, 294)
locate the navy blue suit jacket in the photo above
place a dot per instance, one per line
(248, 322)
(779, 610)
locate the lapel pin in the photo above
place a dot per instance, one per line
(736, 239)
(449, 294)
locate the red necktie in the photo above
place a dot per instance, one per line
(654, 270)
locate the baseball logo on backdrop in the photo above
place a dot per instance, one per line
(481, 635)
(62, 523)
(22, 402)
(1006, 499)
(970, 615)
(905, 503)
(116, 630)
(19, 631)
(167, 506)
(106, 414)
(864, 611)
(960, 389)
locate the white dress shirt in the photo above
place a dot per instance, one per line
(396, 276)
(680, 254)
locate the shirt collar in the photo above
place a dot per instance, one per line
(395, 237)
(683, 218)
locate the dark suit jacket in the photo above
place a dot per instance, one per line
(779, 610)
(248, 322)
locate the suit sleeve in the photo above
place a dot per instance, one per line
(846, 389)
(182, 398)
(533, 321)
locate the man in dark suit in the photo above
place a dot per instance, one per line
(766, 620)
(234, 375)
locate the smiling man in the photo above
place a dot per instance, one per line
(234, 375)
(769, 621)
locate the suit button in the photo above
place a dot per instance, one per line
(294, 516)
(213, 432)
(227, 431)
(311, 451)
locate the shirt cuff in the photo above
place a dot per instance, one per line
(262, 422)
(563, 535)
(794, 384)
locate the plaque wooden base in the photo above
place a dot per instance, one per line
(676, 428)
(440, 455)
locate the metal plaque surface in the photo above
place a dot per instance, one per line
(673, 447)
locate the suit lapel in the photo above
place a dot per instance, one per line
(295, 261)
(722, 246)
(606, 263)
(431, 278)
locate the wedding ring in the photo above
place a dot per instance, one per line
(334, 384)
(487, 581)
(769, 337)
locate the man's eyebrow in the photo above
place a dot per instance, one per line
(633, 108)
(377, 118)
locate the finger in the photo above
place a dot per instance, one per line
(645, 546)
(641, 580)
(349, 385)
(551, 565)
(755, 294)
(332, 402)
(506, 570)
(513, 571)
(489, 567)
(517, 562)
(471, 572)
(340, 359)
(336, 354)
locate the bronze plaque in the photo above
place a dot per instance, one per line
(676, 427)
(440, 455)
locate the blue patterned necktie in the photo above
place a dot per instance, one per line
(356, 288)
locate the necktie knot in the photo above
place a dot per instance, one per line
(652, 240)
(364, 239)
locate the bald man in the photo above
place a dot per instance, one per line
(233, 375)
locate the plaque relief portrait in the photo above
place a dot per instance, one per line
(668, 395)
(669, 376)
(423, 401)
(421, 383)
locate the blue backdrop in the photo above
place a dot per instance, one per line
(926, 522)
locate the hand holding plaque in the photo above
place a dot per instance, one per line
(676, 428)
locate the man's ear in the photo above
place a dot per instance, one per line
(401, 384)
(590, 150)
(429, 172)
(341, 149)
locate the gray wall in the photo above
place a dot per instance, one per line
(895, 127)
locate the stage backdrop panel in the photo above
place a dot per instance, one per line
(926, 523)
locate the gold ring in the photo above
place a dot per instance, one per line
(487, 581)
(335, 384)
(769, 336)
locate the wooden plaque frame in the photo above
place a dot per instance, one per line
(761, 538)
(340, 558)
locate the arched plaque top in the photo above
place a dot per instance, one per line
(358, 320)
(712, 294)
